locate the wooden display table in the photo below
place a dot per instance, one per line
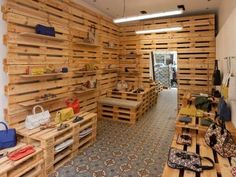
(222, 165)
(148, 98)
(29, 166)
(119, 110)
(50, 138)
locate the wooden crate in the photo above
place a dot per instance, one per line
(49, 138)
(222, 165)
(29, 166)
(119, 110)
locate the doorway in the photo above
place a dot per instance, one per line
(164, 68)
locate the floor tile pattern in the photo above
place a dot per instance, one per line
(123, 150)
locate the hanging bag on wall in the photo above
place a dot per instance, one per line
(36, 119)
(216, 75)
(180, 159)
(7, 137)
(45, 30)
(223, 110)
(220, 139)
(232, 89)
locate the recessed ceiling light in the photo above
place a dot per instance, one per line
(148, 16)
(161, 30)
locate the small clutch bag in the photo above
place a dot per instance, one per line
(185, 119)
(21, 153)
(184, 139)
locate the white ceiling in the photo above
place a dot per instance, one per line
(114, 8)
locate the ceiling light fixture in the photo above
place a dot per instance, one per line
(161, 30)
(148, 16)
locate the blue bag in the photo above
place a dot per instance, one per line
(45, 30)
(7, 137)
(224, 112)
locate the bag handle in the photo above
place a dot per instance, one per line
(216, 64)
(205, 167)
(37, 106)
(5, 125)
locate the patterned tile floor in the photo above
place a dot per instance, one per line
(123, 150)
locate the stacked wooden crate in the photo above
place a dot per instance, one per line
(222, 165)
(28, 166)
(48, 139)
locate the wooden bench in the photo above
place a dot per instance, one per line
(29, 166)
(119, 110)
(48, 139)
(222, 165)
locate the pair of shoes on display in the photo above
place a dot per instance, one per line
(77, 119)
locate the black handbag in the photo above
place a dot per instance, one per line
(45, 30)
(216, 75)
(180, 159)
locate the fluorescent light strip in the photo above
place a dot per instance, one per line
(159, 30)
(148, 16)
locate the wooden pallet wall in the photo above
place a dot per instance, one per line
(195, 45)
(71, 22)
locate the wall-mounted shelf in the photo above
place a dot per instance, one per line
(110, 70)
(130, 55)
(34, 102)
(84, 91)
(34, 35)
(111, 48)
(43, 75)
(87, 44)
(129, 72)
(85, 72)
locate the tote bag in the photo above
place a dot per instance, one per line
(36, 119)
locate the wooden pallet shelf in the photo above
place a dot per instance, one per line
(84, 91)
(222, 165)
(130, 55)
(34, 102)
(87, 44)
(111, 48)
(34, 35)
(31, 165)
(42, 75)
(85, 72)
(53, 159)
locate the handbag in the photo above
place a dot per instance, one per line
(203, 103)
(220, 139)
(224, 111)
(64, 115)
(74, 104)
(216, 75)
(36, 119)
(45, 30)
(180, 159)
(184, 139)
(21, 153)
(185, 119)
(7, 137)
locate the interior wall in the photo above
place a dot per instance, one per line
(27, 50)
(195, 45)
(3, 77)
(226, 38)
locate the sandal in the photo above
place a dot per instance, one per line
(47, 126)
(77, 119)
(62, 127)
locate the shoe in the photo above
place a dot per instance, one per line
(77, 119)
(47, 126)
(62, 127)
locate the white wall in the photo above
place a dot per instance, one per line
(3, 77)
(226, 38)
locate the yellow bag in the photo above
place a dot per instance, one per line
(37, 71)
(64, 115)
(224, 91)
